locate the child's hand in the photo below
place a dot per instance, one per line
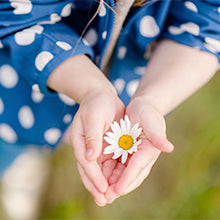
(97, 111)
(128, 177)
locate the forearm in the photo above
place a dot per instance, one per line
(77, 77)
(174, 73)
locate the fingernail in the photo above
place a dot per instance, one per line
(89, 152)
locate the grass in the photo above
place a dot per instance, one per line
(182, 185)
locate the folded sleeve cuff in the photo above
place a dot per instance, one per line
(196, 24)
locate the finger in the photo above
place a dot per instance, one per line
(93, 127)
(139, 180)
(139, 161)
(116, 173)
(111, 195)
(99, 197)
(107, 167)
(95, 174)
(154, 127)
(92, 168)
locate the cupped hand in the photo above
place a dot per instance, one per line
(96, 112)
(127, 177)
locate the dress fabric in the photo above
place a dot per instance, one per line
(37, 36)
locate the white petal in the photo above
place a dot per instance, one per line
(118, 152)
(132, 150)
(136, 133)
(128, 124)
(134, 129)
(116, 128)
(123, 127)
(110, 140)
(113, 136)
(110, 149)
(138, 142)
(124, 157)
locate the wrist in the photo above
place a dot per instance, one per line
(77, 77)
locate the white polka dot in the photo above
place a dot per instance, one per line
(213, 43)
(102, 11)
(119, 85)
(140, 70)
(1, 106)
(175, 30)
(191, 28)
(1, 45)
(52, 135)
(27, 36)
(85, 42)
(66, 10)
(219, 10)
(149, 27)
(191, 6)
(65, 99)
(92, 37)
(122, 52)
(8, 76)
(132, 87)
(67, 118)
(63, 45)
(209, 47)
(7, 133)
(104, 34)
(37, 96)
(43, 59)
(36, 29)
(26, 117)
(54, 18)
(24, 37)
(21, 7)
(35, 88)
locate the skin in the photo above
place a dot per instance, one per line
(174, 72)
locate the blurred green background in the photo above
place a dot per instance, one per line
(182, 185)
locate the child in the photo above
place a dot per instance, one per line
(54, 54)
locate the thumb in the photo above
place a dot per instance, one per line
(93, 130)
(154, 127)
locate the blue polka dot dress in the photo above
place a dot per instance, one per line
(37, 36)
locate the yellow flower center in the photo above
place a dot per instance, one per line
(125, 142)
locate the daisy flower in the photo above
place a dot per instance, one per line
(123, 139)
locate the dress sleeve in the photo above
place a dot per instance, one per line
(38, 38)
(195, 23)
